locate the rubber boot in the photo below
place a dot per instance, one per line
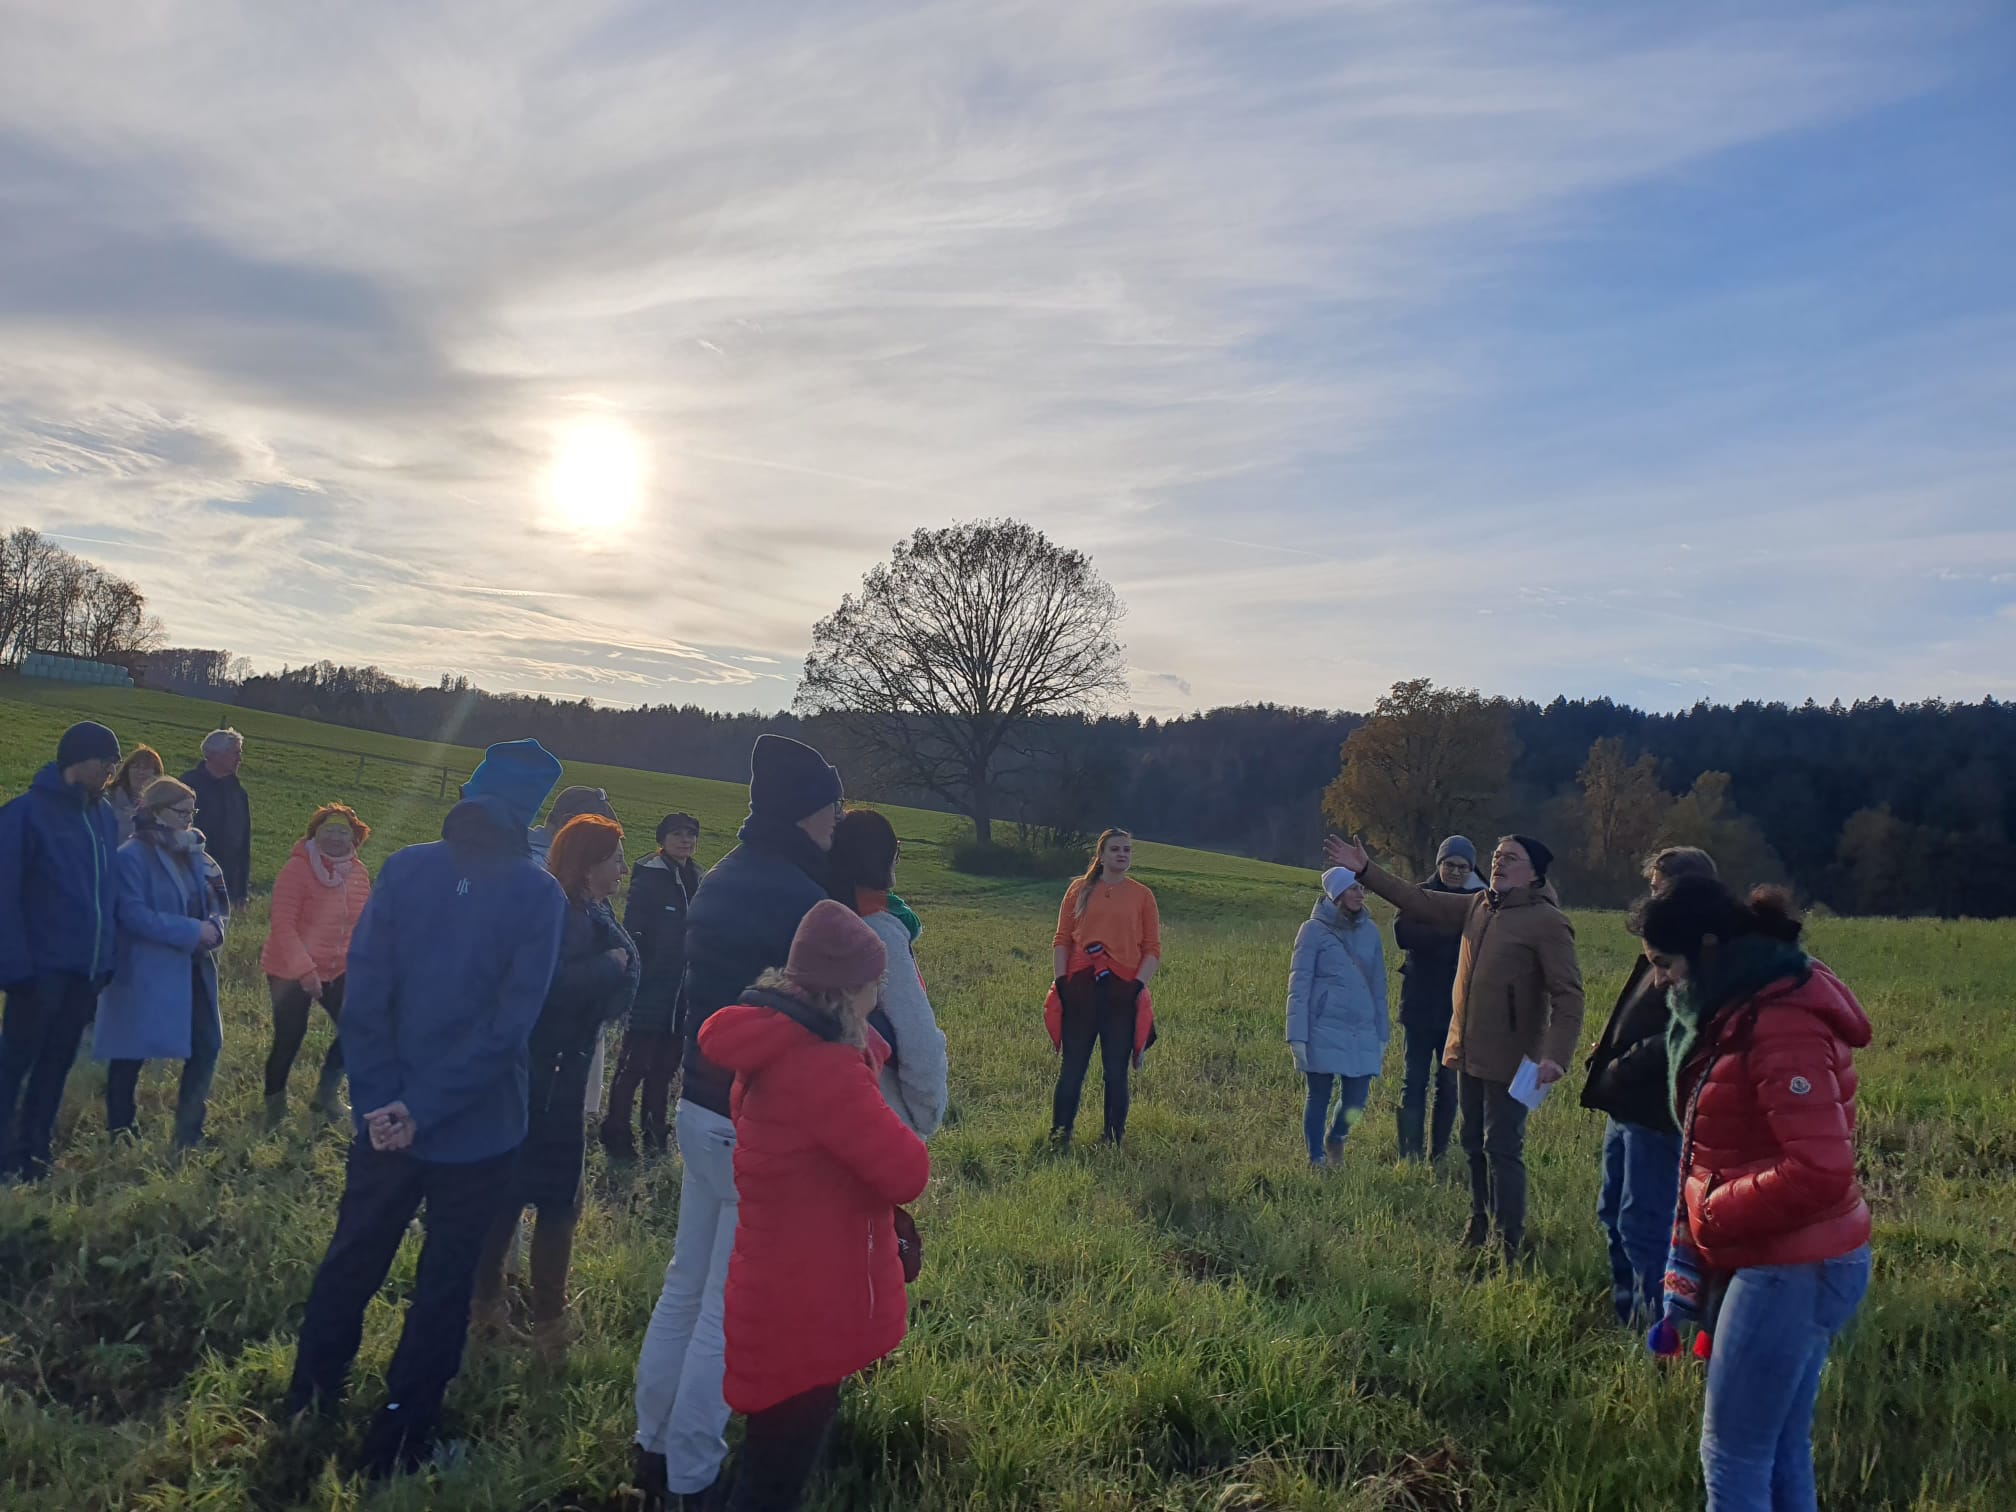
(276, 1109)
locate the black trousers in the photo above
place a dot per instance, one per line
(39, 1035)
(1494, 1139)
(1102, 1012)
(291, 1007)
(648, 1062)
(381, 1193)
(781, 1446)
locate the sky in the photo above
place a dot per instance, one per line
(1663, 353)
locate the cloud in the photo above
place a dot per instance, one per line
(1256, 303)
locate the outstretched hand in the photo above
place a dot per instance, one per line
(1337, 851)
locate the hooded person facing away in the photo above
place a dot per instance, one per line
(448, 970)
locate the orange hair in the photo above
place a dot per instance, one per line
(584, 842)
(344, 812)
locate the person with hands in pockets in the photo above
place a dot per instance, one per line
(1338, 1024)
(1518, 996)
(1771, 1240)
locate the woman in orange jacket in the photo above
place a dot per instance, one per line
(316, 900)
(1107, 948)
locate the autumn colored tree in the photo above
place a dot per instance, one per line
(1430, 761)
(1622, 809)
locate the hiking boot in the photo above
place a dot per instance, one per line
(1479, 1233)
(328, 1104)
(552, 1337)
(276, 1109)
(490, 1320)
(1333, 1153)
(617, 1143)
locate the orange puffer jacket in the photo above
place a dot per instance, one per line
(312, 921)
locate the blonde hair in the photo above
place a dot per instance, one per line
(164, 792)
(1086, 883)
(836, 1003)
(140, 755)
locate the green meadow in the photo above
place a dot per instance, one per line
(1192, 1322)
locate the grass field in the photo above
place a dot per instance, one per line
(1193, 1322)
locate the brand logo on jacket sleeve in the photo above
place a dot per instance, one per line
(1801, 1086)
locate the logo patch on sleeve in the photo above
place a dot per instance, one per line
(1801, 1086)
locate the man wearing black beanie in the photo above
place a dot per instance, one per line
(1518, 997)
(740, 925)
(58, 939)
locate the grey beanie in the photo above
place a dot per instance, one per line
(1459, 847)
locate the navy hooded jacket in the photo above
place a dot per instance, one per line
(448, 970)
(739, 926)
(59, 883)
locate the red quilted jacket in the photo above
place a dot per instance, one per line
(815, 1285)
(1770, 1178)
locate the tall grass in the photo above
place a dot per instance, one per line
(1193, 1321)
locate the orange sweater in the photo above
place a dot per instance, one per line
(1123, 919)
(312, 923)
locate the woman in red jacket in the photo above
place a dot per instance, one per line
(1771, 1218)
(815, 1284)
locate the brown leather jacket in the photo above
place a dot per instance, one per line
(1518, 984)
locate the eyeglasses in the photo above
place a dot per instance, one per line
(186, 810)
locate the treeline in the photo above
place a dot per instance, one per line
(1874, 807)
(53, 600)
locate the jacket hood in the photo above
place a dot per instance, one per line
(49, 782)
(1827, 998)
(487, 824)
(761, 1030)
(654, 862)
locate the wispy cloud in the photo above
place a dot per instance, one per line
(1266, 305)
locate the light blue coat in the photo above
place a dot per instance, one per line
(1337, 993)
(146, 1012)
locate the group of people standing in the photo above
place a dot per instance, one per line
(1728, 1194)
(475, 982)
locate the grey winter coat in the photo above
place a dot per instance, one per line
(1337, 993)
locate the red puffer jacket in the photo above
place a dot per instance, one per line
(815, 1285)
(1770, 1178)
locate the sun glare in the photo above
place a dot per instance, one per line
(596, 481)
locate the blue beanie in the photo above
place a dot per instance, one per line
(517, 773)
(788, 780)
(1459, 847)
(88, 741)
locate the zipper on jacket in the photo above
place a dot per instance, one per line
(871, 1267)
(97, 889)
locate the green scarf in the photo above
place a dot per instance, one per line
(1743, 967)
(905, 917)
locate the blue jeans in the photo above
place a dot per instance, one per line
(1776, 1325)
(1355, 1092)
(1641, 1191)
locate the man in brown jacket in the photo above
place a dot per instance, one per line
(1518, 995)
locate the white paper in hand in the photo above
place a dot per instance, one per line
(1526, 1084)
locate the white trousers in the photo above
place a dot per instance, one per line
(680, 1412)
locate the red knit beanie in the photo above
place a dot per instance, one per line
(834, 950)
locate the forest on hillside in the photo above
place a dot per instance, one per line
(1875, 807)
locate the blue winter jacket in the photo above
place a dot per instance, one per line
(164, 899)
(1337, 993)
(739, 926)
(448, 969)
(59, 883)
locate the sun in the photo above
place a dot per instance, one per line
(596, 480)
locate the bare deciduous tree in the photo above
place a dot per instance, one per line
(51, 600)
(953, 645)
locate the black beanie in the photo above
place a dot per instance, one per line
(788, 780)
(88, 741)
(1538, 854)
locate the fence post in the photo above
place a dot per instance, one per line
(360, 771)
(443, 793)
